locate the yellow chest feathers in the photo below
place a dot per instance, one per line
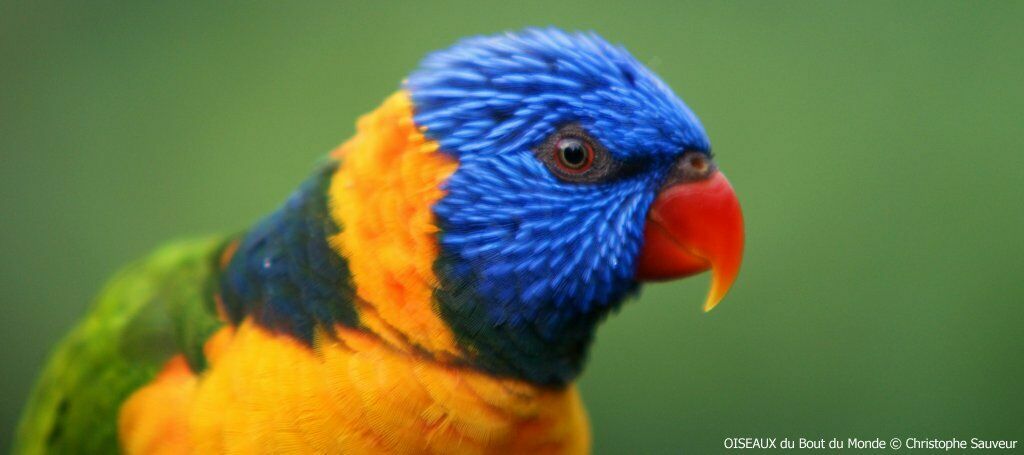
(395, 386)
(269, 394)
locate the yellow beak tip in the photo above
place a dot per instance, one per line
(710, 304)
(721, 282)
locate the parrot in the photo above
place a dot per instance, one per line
(433, 286)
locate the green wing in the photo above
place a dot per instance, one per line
(155, 308)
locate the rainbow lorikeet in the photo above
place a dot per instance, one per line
(433, 287)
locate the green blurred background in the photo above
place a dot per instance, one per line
(876, 148)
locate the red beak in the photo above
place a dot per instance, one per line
(692, 227)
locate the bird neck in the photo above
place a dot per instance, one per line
(382, 196)
(358, 247)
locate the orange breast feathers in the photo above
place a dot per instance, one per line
(269, 394)
(391, 386)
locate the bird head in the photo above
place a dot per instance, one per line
(580, 175)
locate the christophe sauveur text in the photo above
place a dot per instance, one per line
(745, 443)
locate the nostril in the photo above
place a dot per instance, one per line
(699, 163)
(691, 167)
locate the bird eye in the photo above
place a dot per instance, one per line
(573, 155)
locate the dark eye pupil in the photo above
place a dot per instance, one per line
(573, 152)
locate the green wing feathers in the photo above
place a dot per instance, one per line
(153, 309)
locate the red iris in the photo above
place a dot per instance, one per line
(573, 155)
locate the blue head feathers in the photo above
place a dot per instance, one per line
(533, 257)
(505, 93)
